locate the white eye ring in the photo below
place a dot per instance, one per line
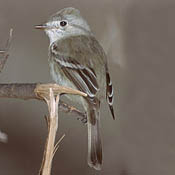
(63, 23)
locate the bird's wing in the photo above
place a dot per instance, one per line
(83, 77)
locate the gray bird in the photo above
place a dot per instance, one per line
(77, 60)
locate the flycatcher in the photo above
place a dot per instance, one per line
(77, 60)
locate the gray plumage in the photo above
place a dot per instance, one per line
(78, 61)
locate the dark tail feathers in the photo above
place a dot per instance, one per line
(109, 94)
(94, 140)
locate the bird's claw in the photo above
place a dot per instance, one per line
(83, 119)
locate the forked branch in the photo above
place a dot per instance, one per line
(51, 94)
(28, 91)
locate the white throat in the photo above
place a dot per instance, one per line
(54, 35)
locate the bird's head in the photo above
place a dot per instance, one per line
(66, 22)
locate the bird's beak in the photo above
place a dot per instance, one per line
(41, 26)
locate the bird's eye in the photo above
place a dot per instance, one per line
(63, 23)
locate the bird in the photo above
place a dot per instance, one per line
(77, 60)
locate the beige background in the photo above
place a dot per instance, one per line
(138, 37)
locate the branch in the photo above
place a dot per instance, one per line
(27, 91)
(48, 93)
(52, 121)
(4, 53)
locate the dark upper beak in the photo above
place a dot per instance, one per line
(41, 26)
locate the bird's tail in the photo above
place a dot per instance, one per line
(109, 93)
(94, 139)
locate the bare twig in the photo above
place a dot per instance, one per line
(4, 53)
(57, 144)
(52, 120)
(52, 129)
(27, 91)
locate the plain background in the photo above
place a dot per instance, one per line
(138, 36)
